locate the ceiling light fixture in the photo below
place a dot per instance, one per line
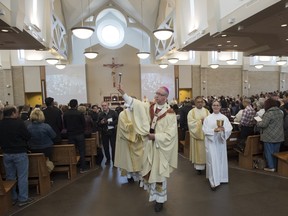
(173, 60)
(60, 66)
(281, 62)
(231, 61)
(52, 61)
(163, 34)
(258, 66)
(141, 54)
(214, 66)
(82, 32)
(90, 54)
(163, 65)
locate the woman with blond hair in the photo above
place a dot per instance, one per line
(42, 134)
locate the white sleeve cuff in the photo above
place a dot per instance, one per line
(128, 100)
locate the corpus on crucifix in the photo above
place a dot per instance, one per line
(113, 66)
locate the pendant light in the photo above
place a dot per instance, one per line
(163, 34)
(141, 54)
(52, 61)
(173, 60)
(90, 54)
(214, 66)
(82, 32)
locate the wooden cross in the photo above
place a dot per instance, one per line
(113, 66)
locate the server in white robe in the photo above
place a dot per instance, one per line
(158, 123)
(217, 129)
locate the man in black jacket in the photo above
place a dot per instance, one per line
(53, 117)
(14, 137)
(74, 122)
(108, 120)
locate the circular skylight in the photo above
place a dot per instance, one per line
(110, 33)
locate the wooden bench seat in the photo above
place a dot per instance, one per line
(65, 159)
(282, 167)
(253, 149)
(38, 172)
(5, 195)
(233, 140)
(90, 151)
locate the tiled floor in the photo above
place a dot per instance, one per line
(103, 192)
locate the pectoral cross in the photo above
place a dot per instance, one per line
(113, 66)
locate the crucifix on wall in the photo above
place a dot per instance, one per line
(113, 66)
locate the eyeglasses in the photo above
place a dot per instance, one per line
(159, 94)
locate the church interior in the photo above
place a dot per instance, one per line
(84, 49)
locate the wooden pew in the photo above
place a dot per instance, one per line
(97, 139)
(233, 140)
(253, 149)
(5, 196)
(65, 159)
(282, 167)
(38, 173)
(90, 151)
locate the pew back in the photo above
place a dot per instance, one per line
(65, 159)
(253, 149)
(5, 195)
(282, 165)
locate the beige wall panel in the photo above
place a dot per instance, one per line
(263, 81)
(18, 85)
(32, 79)
(185, 76)
(223, 81)
(99, 79)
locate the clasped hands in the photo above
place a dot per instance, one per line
(219, 129)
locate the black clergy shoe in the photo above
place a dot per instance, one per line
(199, 172)
(158, 207)
(130, 180)
(213, 188)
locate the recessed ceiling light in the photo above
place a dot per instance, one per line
(228, 41)
(284, 25)
(235, 45)
(219, 45)
(286, 39)
(4, 30)
(223, 35)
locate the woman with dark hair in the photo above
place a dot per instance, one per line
(271, 132)
(225, 108)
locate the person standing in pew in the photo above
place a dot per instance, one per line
(108, 120)
(42, 134)
(271, 132)
(53, 117)
(217, 129)
(14, 138)
(197, 146)
(74, 122)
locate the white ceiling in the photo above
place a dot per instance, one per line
(73, 13)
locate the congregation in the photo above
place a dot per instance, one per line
(37, 129)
